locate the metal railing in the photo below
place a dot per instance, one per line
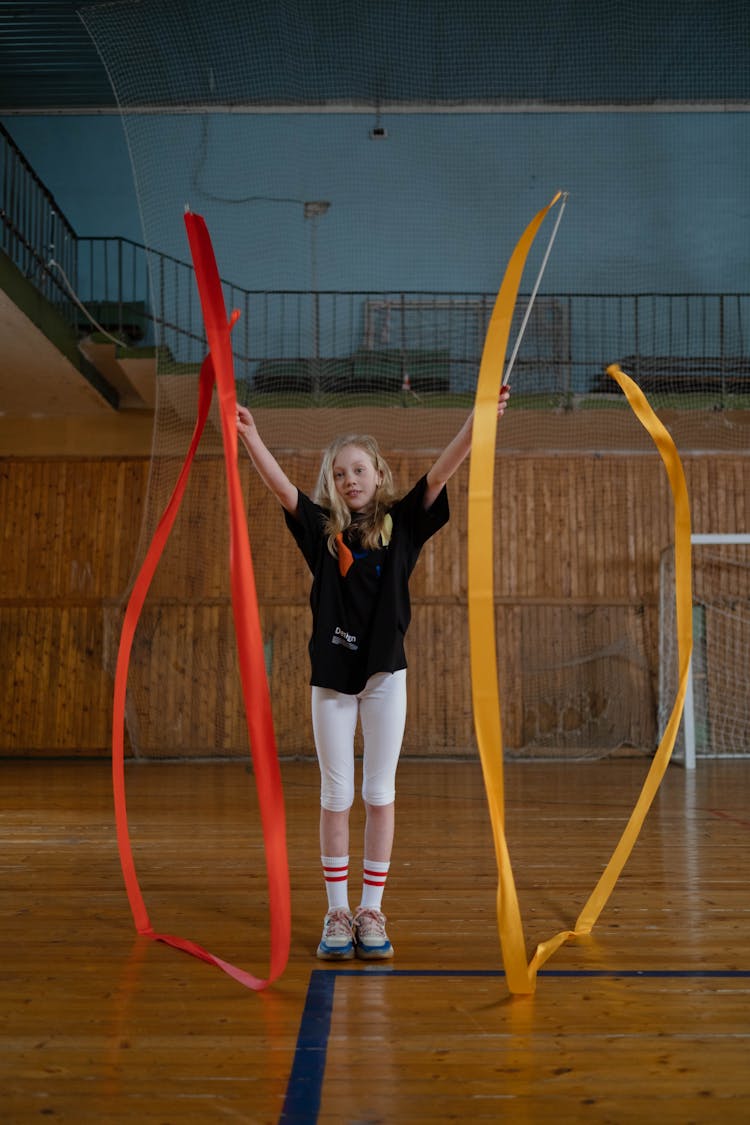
(686, 341)
(33, 227)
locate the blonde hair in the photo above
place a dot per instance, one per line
(370, 527)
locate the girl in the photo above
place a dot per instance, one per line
(361, 544)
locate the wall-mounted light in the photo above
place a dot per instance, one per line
(314, 208)
(378, 131)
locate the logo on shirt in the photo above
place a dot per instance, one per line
(341, 637)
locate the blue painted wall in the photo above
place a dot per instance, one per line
(84, 162)
(658, 201)
(658, 204)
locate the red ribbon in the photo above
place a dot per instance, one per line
(217, 369)
(346, 558)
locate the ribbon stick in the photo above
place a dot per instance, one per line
(535, 289)
(216, 369)
(481, 600)
(520, 976)
(684, 615)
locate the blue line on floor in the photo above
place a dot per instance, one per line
(305, 1086)
(382, 971)
(302, 1101)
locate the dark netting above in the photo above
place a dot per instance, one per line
(296, 52)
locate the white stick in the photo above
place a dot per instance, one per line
(535, 290)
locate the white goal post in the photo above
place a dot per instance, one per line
(689, 723)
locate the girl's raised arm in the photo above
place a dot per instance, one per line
(456, 452)
(269, 470)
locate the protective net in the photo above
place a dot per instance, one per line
(718, 699)
(364, 171)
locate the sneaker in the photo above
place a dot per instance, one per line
(369, 934)
(337, 942)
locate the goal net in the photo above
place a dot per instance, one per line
(364, 171)
(717, 711)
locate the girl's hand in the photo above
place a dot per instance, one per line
(502, 401)
(245, 422)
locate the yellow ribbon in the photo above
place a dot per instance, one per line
(684, 615)
(481, 600)
(520, 976)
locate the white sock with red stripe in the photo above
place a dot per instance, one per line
(336, 875)
(373, 883)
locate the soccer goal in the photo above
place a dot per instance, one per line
(716, 721)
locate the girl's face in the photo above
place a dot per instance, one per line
(355, 478)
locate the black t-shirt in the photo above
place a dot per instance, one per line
(359, 621)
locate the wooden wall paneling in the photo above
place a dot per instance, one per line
(56, 692)
(31, 668)
(631, 492)
(210, 683)
(574, 558)
(597, 538)
(169, 577)
(597, 541)
(30, 663)
(657, 513)
(439, 702)
(169, 680)
(69, 537)
(38, 578)
(42, 688)
(451, 543)
(10, 669)
(14, 722)
(579, 668)
(231, 728)
(695, 475)
(741, 489)
(719, 498)
(94, 683)
(506, 523)
(424, 694)
(90, 563)
(148, 700)
(643, 532)
(62, 680)
(582, 482)
(94, 542)
(628, 496)
(508, 632)
(566, 529)
(527, 571)
(563, 533)
(214, 682)
(549, 527)
(32, 528)
(289, 629)
(82, 718)
(125, 526)
(10, 539)
(222, 678)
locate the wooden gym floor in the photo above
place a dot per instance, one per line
(648, 1020)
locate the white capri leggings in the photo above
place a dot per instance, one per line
(381, 706)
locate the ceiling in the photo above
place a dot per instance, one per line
(47, 59)
(382, 51)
